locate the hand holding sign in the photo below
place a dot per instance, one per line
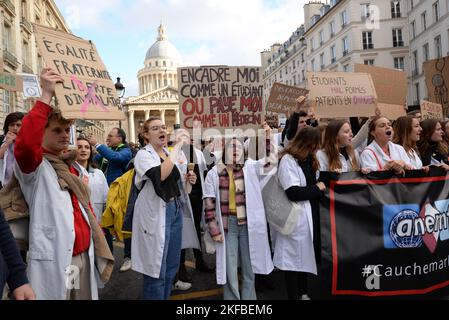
(377, 112)
(49, 79)
(300, 102)
(267, 130)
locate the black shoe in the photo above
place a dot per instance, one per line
(183, 275)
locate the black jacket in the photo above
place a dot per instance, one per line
(12, 268)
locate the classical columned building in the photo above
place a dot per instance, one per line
(158, 87)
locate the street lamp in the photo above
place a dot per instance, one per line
(120, 88)
(121, 93)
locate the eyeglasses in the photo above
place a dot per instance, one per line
(157, 128)
(111, 136)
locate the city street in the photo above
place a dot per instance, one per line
(128, 285)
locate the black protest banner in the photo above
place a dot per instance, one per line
(385, 236)
(88, 91)
(221, 97)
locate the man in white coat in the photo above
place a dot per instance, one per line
(63, 230)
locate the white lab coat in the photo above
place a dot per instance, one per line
(295, 252)
(148, 240)
(435, 162)
(3, 167)
(51, 234)
(98, 191)
(346, 165)
(414, 159)
(259, 247)
(375, 159)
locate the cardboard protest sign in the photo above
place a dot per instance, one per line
(88, 91)
(390, 84)
(430, 110)
(283, 98)
(342, 94)
(272, 120)
(221, 97)
(31, 86)
(11, 82)
(437, 81)
(391, 111)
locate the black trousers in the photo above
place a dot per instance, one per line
(296, 284)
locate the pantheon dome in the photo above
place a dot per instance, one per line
(160, 65)
(162, 48)
(158, 87)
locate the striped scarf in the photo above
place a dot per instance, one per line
(240, 200)
(209, 212)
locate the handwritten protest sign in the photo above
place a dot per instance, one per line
(437, 81)
(88, 91)
(390, 84)
(283, 98)
(221, 97)
(430, 110)
(342, 94)
(272, 120)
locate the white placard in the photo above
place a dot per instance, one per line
(73, 139)
(31, 87)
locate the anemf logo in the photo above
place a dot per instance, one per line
(409, 226)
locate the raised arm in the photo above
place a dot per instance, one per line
(28, 149)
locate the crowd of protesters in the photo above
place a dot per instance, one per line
(165, 197)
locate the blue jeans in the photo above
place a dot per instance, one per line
(160, 289)
(237, 245)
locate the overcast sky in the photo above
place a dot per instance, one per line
(231, 32)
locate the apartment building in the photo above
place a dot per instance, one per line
(337, 35)
(429, 39)
(20, 54)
